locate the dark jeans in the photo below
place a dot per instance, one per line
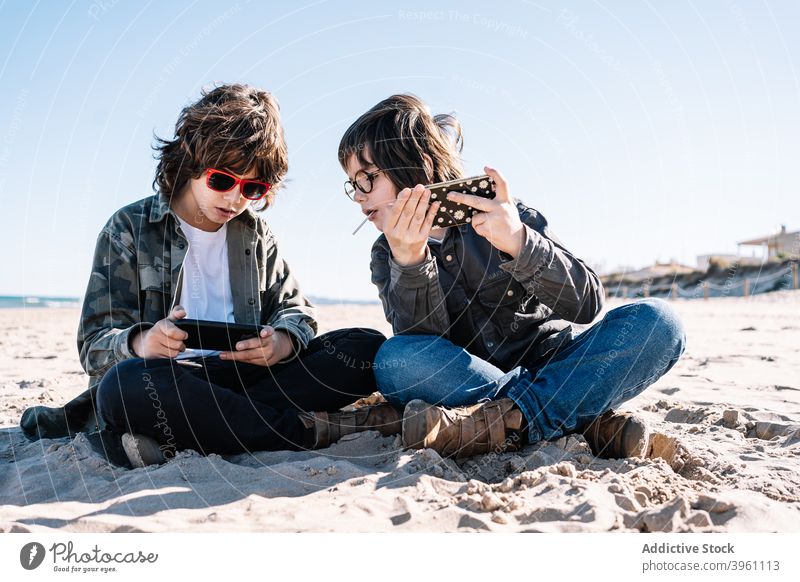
(228, 407)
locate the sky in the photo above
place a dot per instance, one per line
(642, 131)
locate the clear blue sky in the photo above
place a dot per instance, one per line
(641, 130)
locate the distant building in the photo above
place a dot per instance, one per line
(782, 245)
(703, 261)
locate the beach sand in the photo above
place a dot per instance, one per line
(726, 452)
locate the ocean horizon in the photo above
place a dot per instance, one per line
(48, 302)
(37, 301)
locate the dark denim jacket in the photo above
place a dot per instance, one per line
(506, 311)
(137, 276)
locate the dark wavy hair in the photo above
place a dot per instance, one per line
(232, 127)
(399, 132)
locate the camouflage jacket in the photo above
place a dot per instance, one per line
(137, 274)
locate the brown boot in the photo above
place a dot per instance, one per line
(462, 432)
(328, 427)
(617, 435)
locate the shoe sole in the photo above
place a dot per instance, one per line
(637, 432)
(630, 441)
(141, 451)
(633, 439)
(418, 420)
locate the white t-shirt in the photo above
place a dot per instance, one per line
(206, 287)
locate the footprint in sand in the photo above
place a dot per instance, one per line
(768, 431)
(683, 462)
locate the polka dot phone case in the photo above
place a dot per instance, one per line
(451, 213)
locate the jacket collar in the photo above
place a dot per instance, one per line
(161, 209)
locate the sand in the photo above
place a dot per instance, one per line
(726, 452)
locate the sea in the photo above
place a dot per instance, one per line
(38, 302)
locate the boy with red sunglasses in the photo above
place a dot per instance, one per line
(198, 249)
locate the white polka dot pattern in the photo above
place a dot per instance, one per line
(453, 214)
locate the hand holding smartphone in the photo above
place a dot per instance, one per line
(215, 335)
(455, 214)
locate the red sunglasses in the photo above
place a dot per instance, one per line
(220, 181)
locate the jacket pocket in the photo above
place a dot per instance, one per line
(500, 303)
(155, 296)
(151, 278)
(504, 294)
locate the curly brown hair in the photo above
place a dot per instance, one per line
(232, 127)
(399, 132)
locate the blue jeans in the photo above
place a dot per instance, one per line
(609, 363)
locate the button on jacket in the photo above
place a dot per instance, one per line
(137, 274)
(508, 311)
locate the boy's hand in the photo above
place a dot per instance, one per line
(272, 346)
(163, 340)
(498, 222)
(408, 225)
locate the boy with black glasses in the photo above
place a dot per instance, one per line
(485, 309)
(197, 249)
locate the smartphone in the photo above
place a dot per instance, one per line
(452, 213)
(216, 335)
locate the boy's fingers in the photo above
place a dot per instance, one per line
(430, 217)
(257, 342)
(482, 204)
(253, 356)
(501, 185)
(397, 207)
(172, 331)
(422, 207)
(172, 349)
(412, 202)
(171, 341)
(411, 208)
(247, 344)
(479, 220)
(177, 312)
